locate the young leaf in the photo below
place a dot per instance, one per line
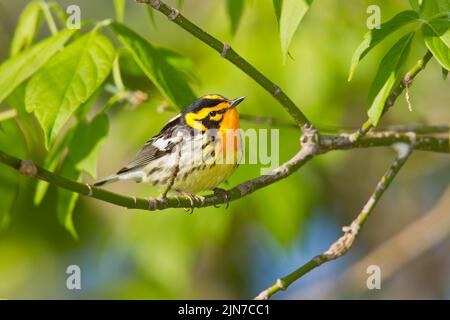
(29, 22)
(431, 8)
(85, 144)
(51, 163)
(154, 64)
(119, 6)
(66, 199)
(180, 4)
(22, 66)
(11, 140)
(375, 36)
(416, 4)
(387, 77)
(437, 38)
(277, 4)
(68, 81)
(58, 11)
(292, 13)
(444, 73)
(235, 8)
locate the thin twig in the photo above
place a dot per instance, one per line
(344, 243)
(276, 122)
(231, 55)
(405, 82)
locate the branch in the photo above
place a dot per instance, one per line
(416, 128)
(405, 82)
(312, 145)
(228, 53)
(344, 243)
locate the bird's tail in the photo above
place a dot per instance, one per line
(109, 179)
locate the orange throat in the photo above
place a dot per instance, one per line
(229, 130)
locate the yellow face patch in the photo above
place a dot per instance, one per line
(194, 119)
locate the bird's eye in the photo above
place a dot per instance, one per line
(212, 113)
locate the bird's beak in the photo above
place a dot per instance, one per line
(235, 102)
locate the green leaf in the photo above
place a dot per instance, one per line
(437, 38)
(11, 139)
(291, 14)
(277, 4)
(85, 144)
(375, 36)
(444, 73)
(54, 157)
(151, 15)
(29, 22)
(179, 62)
(58, 11)
(235, 9)
(431, 8)
(68, 81)
(387, 77)
(154, 64)
(180, 4)
(22, 66)
(119, 6)
(67, 199)
(416, 4)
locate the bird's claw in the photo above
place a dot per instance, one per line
(192, 199)
(225, 194)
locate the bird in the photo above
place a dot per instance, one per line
(195, 151)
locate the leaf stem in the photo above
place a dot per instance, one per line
(231, 55)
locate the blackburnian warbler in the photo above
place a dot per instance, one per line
(195, 151)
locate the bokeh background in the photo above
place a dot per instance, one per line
(235, 253)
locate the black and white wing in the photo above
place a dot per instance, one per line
(155, 148)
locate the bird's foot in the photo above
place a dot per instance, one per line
(225, 194)
(192, 199)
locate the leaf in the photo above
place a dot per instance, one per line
(180, 4)
(277, 7)
(436, 34)
(291, 14)
(59, 12)
(431, 8)
(11, 139)
(375, 36)
(51, 163)
(235, 8)
(29, 22)
(416, 4)
(55, 156)
(85, 144)
(154, 64)
(151, 15)
(179, 62)
(22, 66)
(67, 199)
(68, 81)
(387, 77)
(119, 6)
(444, 73)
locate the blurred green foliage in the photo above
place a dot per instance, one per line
(213, 252)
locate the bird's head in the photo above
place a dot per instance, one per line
(212, 111)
